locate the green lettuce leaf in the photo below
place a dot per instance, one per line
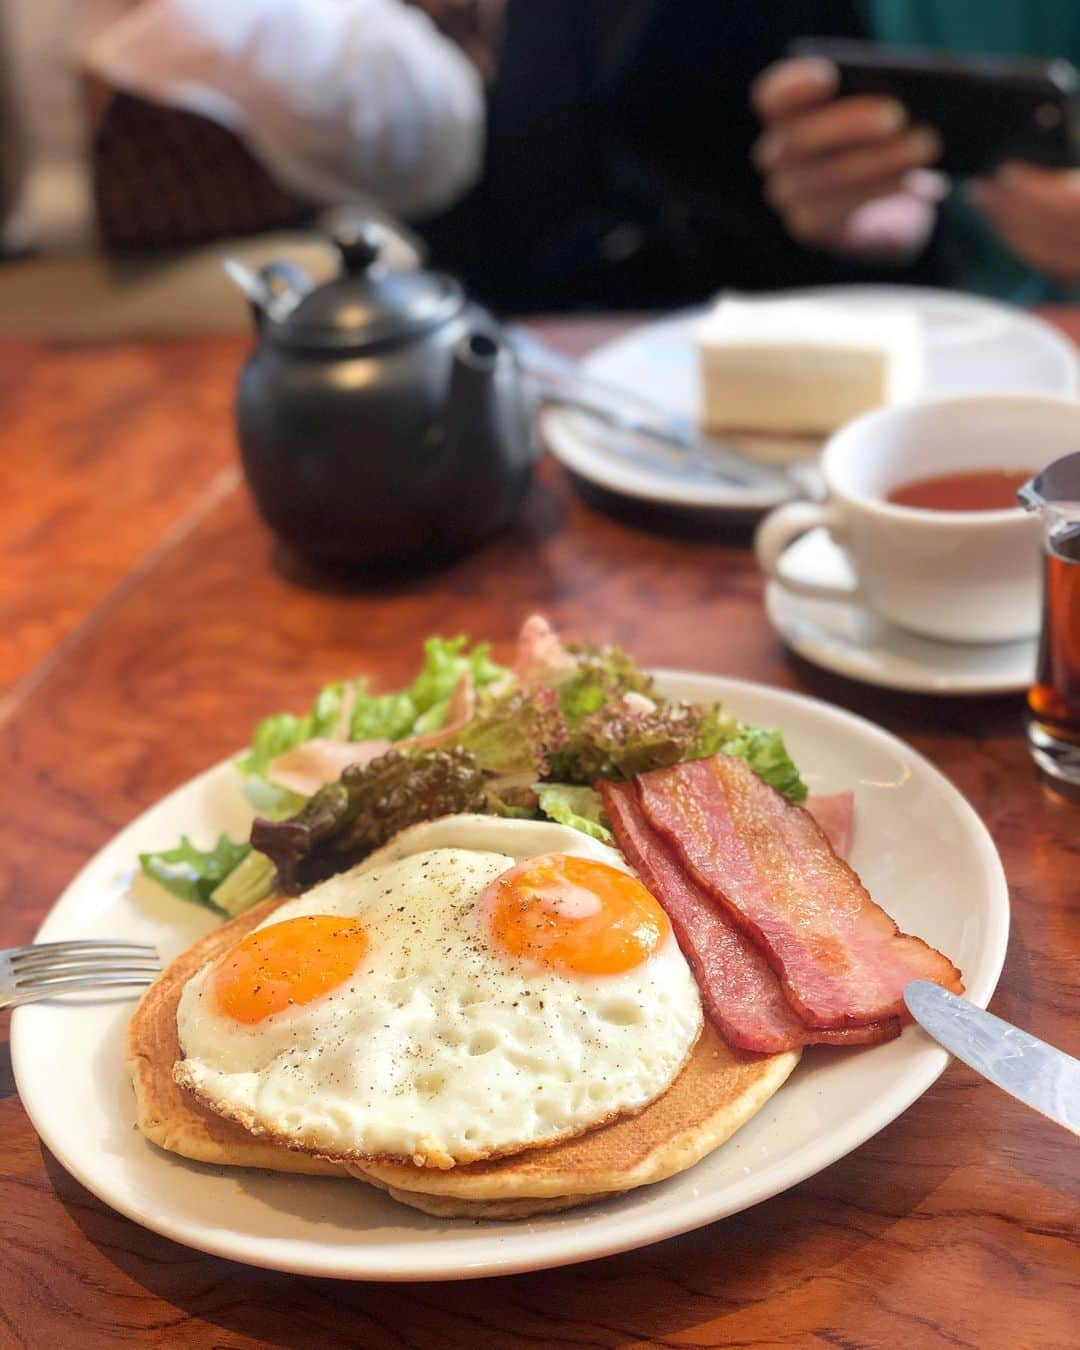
(251, 880)
(621, 740)
(445, 661)
(764, 750)
(284, 731)
(578, 807)
(421, 708)
(271, 799)
(382, 717)
(511, 733)
(604, 674)
(588, 728)
(194, 873)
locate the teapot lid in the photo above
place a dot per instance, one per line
(369, 303)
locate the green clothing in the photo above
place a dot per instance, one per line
(1043, 29)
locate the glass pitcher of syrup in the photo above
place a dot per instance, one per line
(1053, 720)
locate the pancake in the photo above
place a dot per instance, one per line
(170, 1117)
(718, 1091)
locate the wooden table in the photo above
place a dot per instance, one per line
(146, 622)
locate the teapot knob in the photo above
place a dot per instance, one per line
(359, 242)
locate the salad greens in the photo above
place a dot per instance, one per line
(579, 807)
(251, 880)
(763, 749)
(193, 873)
(345, 821)
(537, 741)
(417, 710)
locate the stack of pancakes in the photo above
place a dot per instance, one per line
(719, 1089)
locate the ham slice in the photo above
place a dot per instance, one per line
(841, 960)
(312, 764)
(741, 994)
(541, 659)
(459, 710)
(835, 813)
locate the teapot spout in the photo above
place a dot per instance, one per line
(476, 359)
(488, 426)
(475, 413)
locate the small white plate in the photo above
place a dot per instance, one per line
(850, 640)
(972, 345)
(919, 846)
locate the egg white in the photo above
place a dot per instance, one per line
(442, 1048)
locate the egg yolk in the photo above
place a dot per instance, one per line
(292, 962)
(574, 915)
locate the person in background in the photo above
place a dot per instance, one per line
(154, 123)
(849, 178)
(617, 172)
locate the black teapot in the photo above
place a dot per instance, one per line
(382, 417)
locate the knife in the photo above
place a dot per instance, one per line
(651, 434)
(1028, 1069)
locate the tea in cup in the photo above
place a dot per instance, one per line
(923, 499)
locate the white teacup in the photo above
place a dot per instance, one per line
(961, 576)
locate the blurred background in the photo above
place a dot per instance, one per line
(557, 155)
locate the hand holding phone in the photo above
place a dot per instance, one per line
(824, 158)
(986, 109)
(848, 126)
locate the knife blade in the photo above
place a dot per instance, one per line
(1033, 1072)
(652, 434)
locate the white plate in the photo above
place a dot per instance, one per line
(972, 345)
(919, 846)
(855, 642)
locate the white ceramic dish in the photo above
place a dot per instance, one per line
(952, 576)
(972, 346)
(920, 847)
(850, 640)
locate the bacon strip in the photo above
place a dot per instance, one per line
(739, 991)
(841, 959)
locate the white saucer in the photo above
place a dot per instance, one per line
(851, 641)
(972, 345)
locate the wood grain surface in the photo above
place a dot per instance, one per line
(148, 621)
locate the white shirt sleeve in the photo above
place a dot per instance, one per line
(339, 99)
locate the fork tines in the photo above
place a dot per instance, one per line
(39, 974)
(64, 955)
(38, 971)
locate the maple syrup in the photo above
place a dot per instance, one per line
(1054, 698)
(1053, 706)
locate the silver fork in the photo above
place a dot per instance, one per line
(47, 968)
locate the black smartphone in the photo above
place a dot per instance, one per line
(986, 109)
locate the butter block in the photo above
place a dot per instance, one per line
(803, 367)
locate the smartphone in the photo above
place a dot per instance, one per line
(986, 109)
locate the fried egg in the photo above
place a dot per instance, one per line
(478, 987)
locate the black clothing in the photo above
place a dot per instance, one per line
(617, 170)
